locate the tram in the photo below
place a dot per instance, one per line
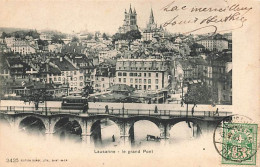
(74, 102)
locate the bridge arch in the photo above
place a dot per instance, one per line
(32, 124)
(5, 121)
(69, 128)
(57, 118)
(185, 128)
(140, 127)
(104, 130)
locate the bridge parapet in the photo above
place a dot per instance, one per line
(163, 114)
(123, 117)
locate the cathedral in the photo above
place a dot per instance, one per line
(152, 30)
(130, 21)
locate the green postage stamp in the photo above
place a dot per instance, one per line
(239, 143)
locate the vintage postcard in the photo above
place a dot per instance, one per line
(129, 83)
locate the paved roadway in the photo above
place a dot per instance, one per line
(130, 106)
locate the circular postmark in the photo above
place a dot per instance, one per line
(235, 139)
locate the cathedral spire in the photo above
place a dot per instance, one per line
(130, 9)
(151, 20)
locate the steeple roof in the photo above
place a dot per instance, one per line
(151, 20)
(130, 10)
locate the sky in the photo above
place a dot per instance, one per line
(104, 16)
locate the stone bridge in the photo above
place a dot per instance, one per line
(51, 119)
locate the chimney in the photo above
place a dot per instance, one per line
(47, 67)
(61, 59)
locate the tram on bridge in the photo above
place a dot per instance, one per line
(74, 102)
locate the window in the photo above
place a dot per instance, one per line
(149, 74)
(135, 74)
(140, 86)
(149, 87)
(144, 81)
(157, 75)
(59, 79)
(81, 84)
(140, 80)
(149, 81)
(136, 86)
(131, 80)
(156, 81)
(144, 74)
(124, 74)
(119, 74)
(81, 78)
(136, 80)
(144, 87)
(124, 80)
(75, 72)
(119, 79)
(102, 79)
(55, 79)
(139, 74)
(75, 78)
(131, 74)
(156, 87)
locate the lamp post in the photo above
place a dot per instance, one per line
(45, 101)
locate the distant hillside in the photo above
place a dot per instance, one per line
(10, 29)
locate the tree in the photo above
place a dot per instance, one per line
(104, 36)
(90, 36)
(33, 34)
(199, 94)
(75, 39)
(87, 90)
(133, 35)
(57, 39)
(42, 43)
(5, 35)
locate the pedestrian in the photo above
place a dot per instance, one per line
(192, 110)
(217, 113)
(85, 108)
(156, 109)
(181, 102)
(37, 105)
(189, 124)
(113, 138)
(107, 110)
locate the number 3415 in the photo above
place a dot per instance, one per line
(12, 160)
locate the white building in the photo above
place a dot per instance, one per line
(142, 74)
(106, 54)
(214, 44)
(102, 83)
(65, 73)
(22, 47)
(9, 41)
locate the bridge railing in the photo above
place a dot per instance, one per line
(97, 111)
(40, 110)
